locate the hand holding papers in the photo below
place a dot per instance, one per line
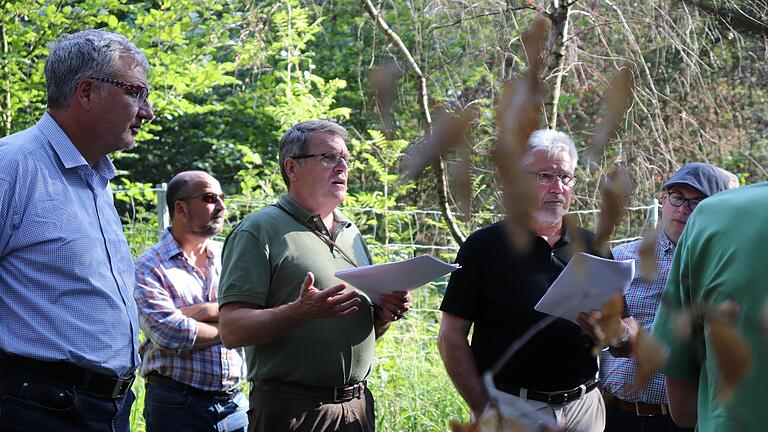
(586, 283)
(397, 276)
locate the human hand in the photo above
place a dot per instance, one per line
(588, 323)
(314, 303)
(394, 305)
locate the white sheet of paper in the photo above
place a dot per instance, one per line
(586, 283)
(396, 276)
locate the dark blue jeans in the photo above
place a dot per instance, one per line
(30, 402)
(168, 409)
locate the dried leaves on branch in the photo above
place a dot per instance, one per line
(517, 116)
(615, 193)
(617, 100)
(449, 132)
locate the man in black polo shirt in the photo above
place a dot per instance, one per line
(553, 374)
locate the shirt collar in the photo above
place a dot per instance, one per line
(171, 248)
(66, 151)
(665, 244)
(304, 216)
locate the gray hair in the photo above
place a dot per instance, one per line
(552, 142)
(177, 188)
(89, 52)
(295, 139)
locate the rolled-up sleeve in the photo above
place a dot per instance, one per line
(160, 320)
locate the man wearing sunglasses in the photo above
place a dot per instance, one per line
(69, 330)
(192, 380)
(551, 379)
(646, 409)
(311, 337)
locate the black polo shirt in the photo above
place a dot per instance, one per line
(496, 289)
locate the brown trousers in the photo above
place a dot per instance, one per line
(279, 410)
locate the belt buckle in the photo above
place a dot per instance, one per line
(346, 393)
(121, 386)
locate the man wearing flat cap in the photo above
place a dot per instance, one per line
(629, 409)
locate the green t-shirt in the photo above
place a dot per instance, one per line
(721, 255)
(264, 262)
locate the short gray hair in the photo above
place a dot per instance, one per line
(552, 142)
(89, 52)
(294, 140)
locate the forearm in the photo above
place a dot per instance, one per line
(202, 312)
(460, 365)
(207, 336)
(242, 324)
(380, 326)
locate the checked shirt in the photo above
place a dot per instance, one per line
(643, 297)
(166, 281)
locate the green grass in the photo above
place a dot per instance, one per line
(412, 392)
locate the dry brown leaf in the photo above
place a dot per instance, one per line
(683, 326)
(534, 42)
(733, 355)
(608, 327)
(647, 253)
(615, 193)
(383, 82)
(650, 356)
(449, 131)
(617, 100)
(460, 175)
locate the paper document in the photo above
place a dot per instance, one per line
(585, 284)
(396, 276)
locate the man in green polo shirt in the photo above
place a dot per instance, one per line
(310, 338)
(719, 258)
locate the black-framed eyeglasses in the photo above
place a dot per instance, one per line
(547, 178)
(139, 91)
(677, 200)
(328, 159)
(207, 197)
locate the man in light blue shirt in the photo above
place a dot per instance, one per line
(68, 322)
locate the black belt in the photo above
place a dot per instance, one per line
(83, 379)
(554, 398)
(163, 381)
(338, 394)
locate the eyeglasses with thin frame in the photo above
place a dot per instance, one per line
(678, 200)
(207, 197)
(139, 91)
(547, 178)
(328, 159)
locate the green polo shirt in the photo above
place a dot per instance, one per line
(264, 262)
(720, 256)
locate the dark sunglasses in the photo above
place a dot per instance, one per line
(207, 197)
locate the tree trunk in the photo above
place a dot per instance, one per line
(438, 167)
(555, 66)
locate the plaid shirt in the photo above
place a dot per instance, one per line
(643, 297)
(166, 281)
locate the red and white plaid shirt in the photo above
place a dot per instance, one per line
(165, 282)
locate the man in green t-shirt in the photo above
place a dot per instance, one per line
(310, 338)
(720, 258)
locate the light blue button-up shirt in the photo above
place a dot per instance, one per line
(66, 274)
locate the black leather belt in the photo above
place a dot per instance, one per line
(553, 398)
(338, 394)
(83, 379)
(163, 381)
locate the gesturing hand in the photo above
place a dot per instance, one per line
(313, 303)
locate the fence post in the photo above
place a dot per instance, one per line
(652, 217)
(163, 221)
